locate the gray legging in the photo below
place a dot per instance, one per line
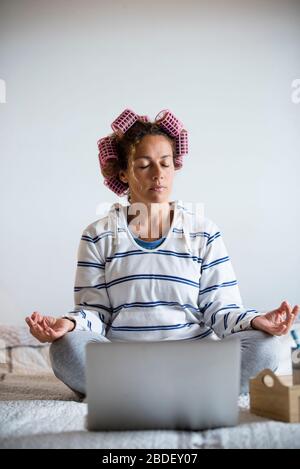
(67, 355)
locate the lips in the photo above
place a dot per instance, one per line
(157, 188)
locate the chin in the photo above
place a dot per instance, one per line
(161, 196)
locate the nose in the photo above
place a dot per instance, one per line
(157, 173)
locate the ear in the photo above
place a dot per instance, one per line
(123, 177)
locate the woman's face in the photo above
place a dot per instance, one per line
(151, 165)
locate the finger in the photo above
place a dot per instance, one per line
(291, 316)
(279, 314)
(49, 321)
(282, 308)
(36, 317)
(33, 317)
(46, 320)
(39, 329)
(48, 330)
(284, 314)
(34, 333)
(281, 325)
(29, 321)
(34, 314)
(280, 317)
(289, 320)
(45, 324)
(33, 328)
(280, 329)
(296, 310)
(286, 307)
(54, 335)
(38, 336)
(39, 318)
(294, 314)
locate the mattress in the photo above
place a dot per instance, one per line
(39, 411)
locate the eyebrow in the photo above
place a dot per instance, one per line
(149, 157)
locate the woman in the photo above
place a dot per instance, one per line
(164, 275)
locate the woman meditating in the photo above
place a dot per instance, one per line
(154, 269)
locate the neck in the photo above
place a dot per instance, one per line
(150, 221)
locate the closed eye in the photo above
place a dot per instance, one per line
(164, 165)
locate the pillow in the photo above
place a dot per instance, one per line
(22, 353)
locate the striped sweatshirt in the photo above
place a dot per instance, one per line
(185, 288)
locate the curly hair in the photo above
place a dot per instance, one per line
(126, 145)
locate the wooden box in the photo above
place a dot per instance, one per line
(275, 397)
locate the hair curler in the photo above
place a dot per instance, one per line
(165, 119)
(168, 122)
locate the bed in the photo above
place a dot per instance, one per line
(38, 411)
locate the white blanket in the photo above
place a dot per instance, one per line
(29, 419)
(38, 411)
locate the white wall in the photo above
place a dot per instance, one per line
(71, 67)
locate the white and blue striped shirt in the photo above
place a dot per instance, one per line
(181, 287)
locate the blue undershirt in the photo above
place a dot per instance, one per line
(149, 244)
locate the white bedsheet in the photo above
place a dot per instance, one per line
(60, 423)
(38, 411)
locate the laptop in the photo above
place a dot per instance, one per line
(184, 385)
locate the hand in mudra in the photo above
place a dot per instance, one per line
(277, 322)
(48, 328)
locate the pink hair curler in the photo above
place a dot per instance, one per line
(182, 144)
(107, 150)
(165, 120)
(168, 122)
(178, 161)
(124, 121)
(115, 185)
(144, 118)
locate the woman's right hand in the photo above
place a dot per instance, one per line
(48, 328)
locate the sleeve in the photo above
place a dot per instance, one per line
(219, 296)
(92, 311)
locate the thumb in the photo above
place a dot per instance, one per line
(283, 305)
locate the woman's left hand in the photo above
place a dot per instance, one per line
(277, 322)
